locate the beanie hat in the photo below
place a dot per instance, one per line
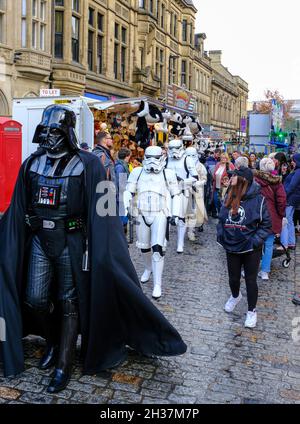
(266, 165)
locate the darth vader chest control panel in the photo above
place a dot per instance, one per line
(48, 196)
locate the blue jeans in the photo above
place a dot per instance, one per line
(43, 272)
(288, 237)
(216, 197)
(267, 254)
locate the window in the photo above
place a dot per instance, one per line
(157, 8)
(151, 6)
(117, 31)
(2, 20)
(162, 16)
(142, 4)
(59, 34)
(100, 43)
(24, 7)
(100, 54)
(91, 16)
(91, 50)
(59, 2)
(191, 34)
(190, 76)
(184, 30)
(116, 56)
(183, 72)
(172, 69)
(175, 26)
(75, 38)
(100, 22)
(159, 62)
(43, 11)
(36, 25)
(34, 34)
(75, 5)
(171, 22)
(42, 37)
(120, 52)
(34, 8)
(95, 41)
(124, 32)
(123, 63)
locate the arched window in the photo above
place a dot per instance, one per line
(4, 107)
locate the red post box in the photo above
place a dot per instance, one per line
(10, 158)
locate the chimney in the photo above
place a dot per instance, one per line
(215, 56)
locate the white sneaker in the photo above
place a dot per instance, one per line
(263, 275)
(146, 276)
(232, 302)
(243, 274)
(251, 319)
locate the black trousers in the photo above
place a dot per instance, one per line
(250, 261)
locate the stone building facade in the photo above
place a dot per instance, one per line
(229, 96)
(113, 48)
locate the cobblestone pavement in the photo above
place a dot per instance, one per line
(224, 363)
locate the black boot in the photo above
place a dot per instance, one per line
(45, 320)
(69, 333)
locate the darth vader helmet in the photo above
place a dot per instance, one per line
(56, 131)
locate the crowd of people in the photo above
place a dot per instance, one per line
(65, 268)
(256, 199)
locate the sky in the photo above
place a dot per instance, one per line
(259, 39)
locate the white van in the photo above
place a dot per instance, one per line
(28, 111)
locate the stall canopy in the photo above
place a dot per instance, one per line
(133, 103)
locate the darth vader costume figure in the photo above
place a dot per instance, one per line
(65, 269)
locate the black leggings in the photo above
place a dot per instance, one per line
(251, 262)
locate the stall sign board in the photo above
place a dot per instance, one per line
(180, 97)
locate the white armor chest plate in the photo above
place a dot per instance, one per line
(177, 165)
(152, 192)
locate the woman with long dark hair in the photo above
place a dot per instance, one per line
(244, 225)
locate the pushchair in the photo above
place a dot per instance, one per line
(277, 253)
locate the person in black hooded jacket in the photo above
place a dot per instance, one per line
(244, 224)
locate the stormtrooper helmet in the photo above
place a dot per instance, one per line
(176, 149)
(192, 152)
(154, 160)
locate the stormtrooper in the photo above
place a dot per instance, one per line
(158, 202)
(187, 175)
(196, 214)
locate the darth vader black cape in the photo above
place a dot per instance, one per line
(114, 312)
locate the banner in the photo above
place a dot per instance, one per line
(180, 97)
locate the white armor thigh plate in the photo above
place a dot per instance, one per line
(153, 233)
(183, 205)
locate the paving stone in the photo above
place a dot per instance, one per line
(9, 393)
(36, 398)
(82, 397)
(127, 397)
(224, 363)
(30, 387)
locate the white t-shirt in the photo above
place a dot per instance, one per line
(219, 174)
